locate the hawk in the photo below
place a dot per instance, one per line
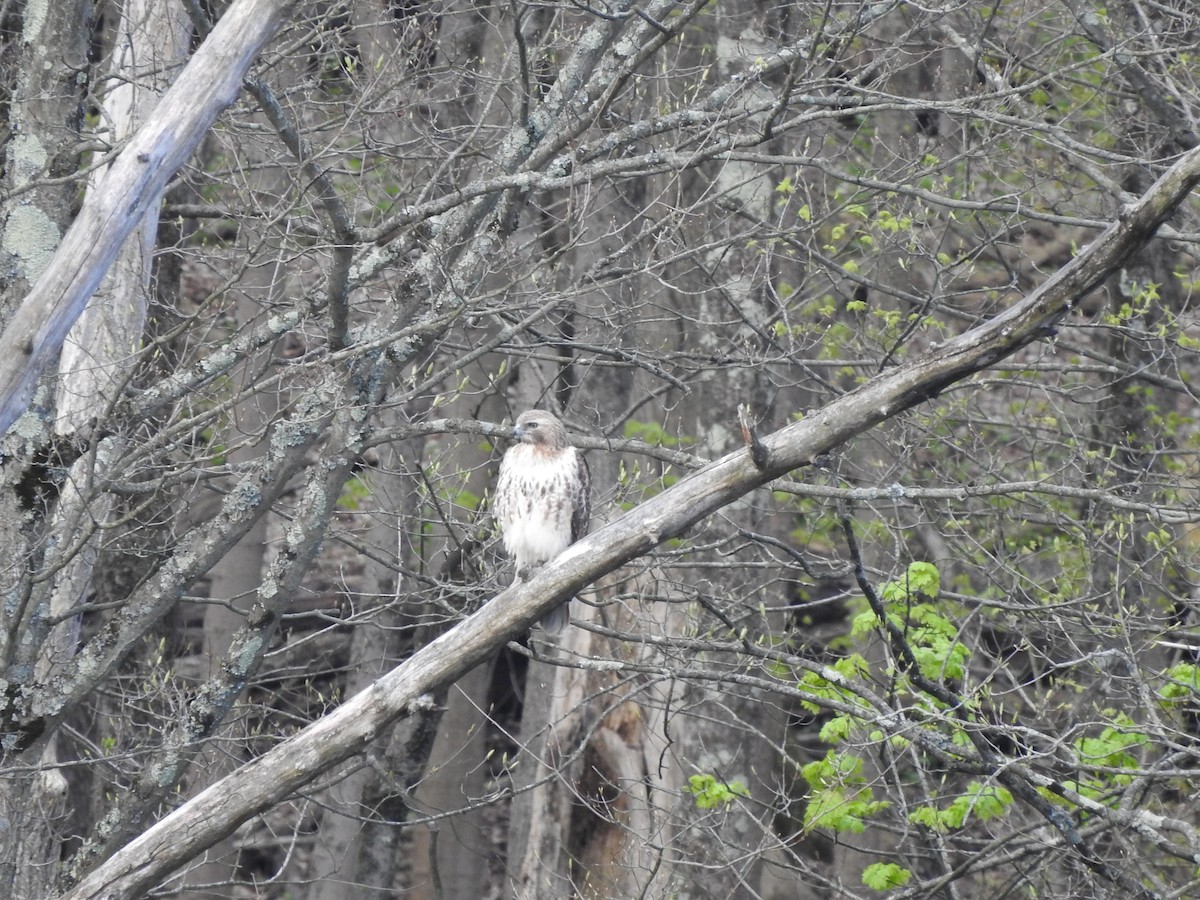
(543, 499)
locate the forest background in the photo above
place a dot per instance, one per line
(874, 319)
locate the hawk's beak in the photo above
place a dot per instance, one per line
(519, 432)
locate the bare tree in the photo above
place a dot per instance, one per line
(875, 322)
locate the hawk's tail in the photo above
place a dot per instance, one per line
(557, 619)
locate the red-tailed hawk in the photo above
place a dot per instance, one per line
(543, 498)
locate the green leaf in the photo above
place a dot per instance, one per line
(710, 793)
(354, 492)
(836, 729)
(885, 876)
(929, 816)
(652, 433)
(841, 799)
(984, 801)
(924, 578)
(864, 623)
(1183, 682)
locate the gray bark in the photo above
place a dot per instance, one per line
(45, 115)
(232, 590)
(451, 852)
(356, 851)
(98, 357)
(150, 46)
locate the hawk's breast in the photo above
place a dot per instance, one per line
(535, 501)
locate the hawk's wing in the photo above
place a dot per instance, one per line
(582, 491)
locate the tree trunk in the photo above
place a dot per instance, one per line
(46, 114)
(357, 851)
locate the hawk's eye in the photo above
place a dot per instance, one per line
(533, 424)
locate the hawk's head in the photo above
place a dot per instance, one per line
(541, 429)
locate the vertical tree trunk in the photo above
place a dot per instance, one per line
(46, 115)
(356, 854)
(149, 48)
(150, 44)
(451, 854)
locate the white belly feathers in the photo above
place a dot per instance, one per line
(534, 505)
